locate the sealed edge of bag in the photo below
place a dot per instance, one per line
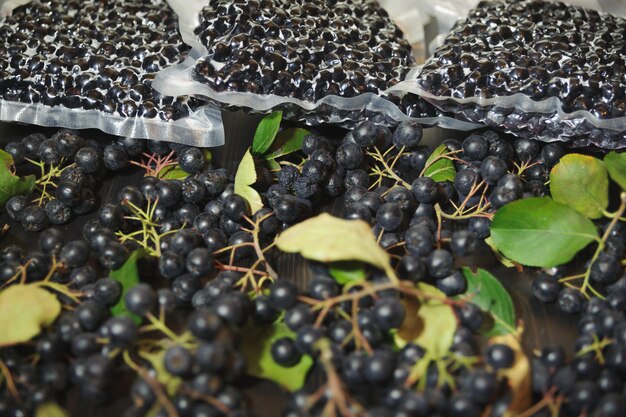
(177, 80)
(203, 128)
(517, 101)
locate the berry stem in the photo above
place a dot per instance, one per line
(159, 325)
(388, 169)
(156, 386)
(447, 155)
(620, 211)
(9, 380)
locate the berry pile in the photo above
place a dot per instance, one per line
(303, 58)
(92, 56)
(176, 283)
(508, 57)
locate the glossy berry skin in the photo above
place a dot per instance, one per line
(570, 300)
(419, 240)
(15, 205)
(121, 330)
(390, 216)
(463, 243)
(379, 367)
(191, 160)
(50, 240)
(453, 284)
(492, 169)
(439, 263)
(235, 208)
(545, 288)
(89, 160)
(464, 180)
(284, 352)
(480, 227)
(69, 193)
(140, 299)
(204, 324)
(606, 269)
(475, 148)
(115, 157)
(366, 134)
(169, 192)
(407, 134)
(389, 313)
(425, 190)
(111, 216)
(75, 253)
(306, 339)
(178, 361)
(526, 149)
(283, 294)
(349, 155)
(199, 262)
(499, 356)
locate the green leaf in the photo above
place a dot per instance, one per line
(257, 351)
(272, 164)
(50, 409)
(582, 182)
(441, 169)
(173, 173)
(24, 310)
(169, 381)
(345, 272)
(330, 239)
(11, 184)
(128, 276)
(486, 291)
(541, 232)
(287, 141)
(266, 132)
(616, 165)
(430, 323)
(244, 178)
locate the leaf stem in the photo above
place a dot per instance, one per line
(601, 243)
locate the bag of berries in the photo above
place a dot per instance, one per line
(545, 70)
(91, 64)
(317, 61)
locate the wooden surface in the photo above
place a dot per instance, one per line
(544, 324)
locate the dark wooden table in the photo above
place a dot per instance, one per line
(544, 324)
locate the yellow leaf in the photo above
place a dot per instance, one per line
(24, 310)
(330, 239)
(429, 322)
(50, 410)
(244, 178)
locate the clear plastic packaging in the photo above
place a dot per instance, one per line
(318, 61)
(543, 70)
(90, 64)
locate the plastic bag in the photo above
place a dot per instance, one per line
(90, 64)
(318, 61)
(543, 70)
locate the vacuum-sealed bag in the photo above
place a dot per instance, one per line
(91, 64)
(318, 61)
(537, 69)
